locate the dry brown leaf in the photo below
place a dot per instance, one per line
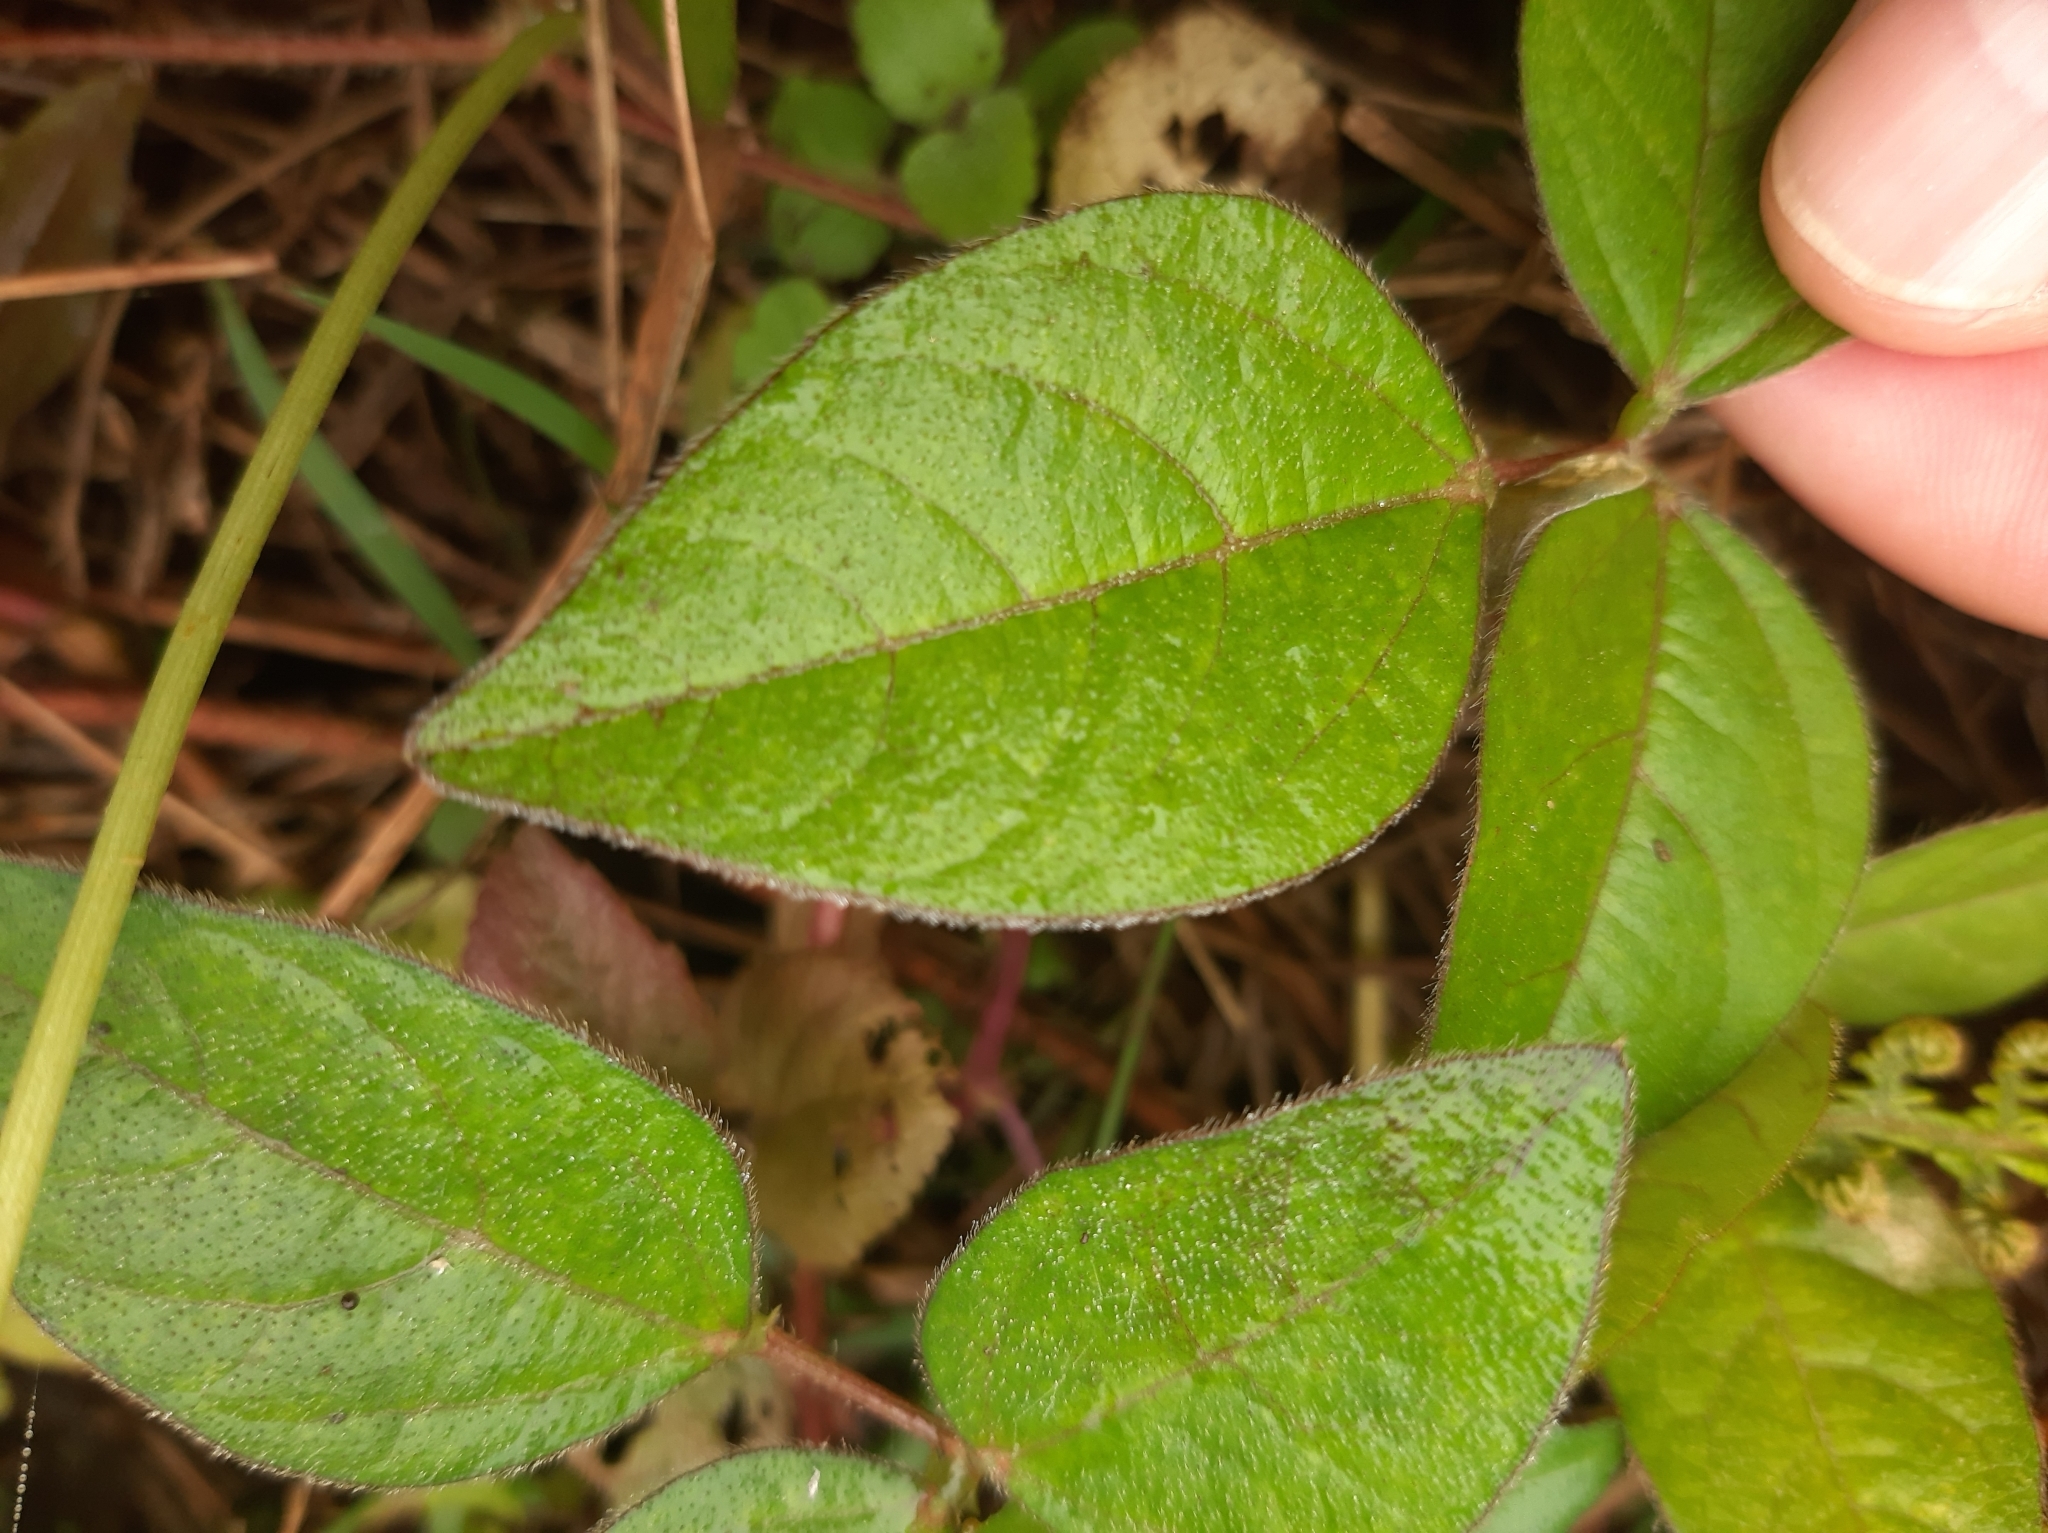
(838, 1087)
(549, 930)
(739, 1403)
(1212, 98)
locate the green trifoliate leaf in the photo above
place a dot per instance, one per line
(1571, 1468)
(979, 178)
(1126, 564)
(1061, 70)
(1810, 1375)
(1357, 1312)
(1648, 126)
(1689, 1182)
(1955, 924)
(344, 1218)
(1674, 802)
(924, 57)
(780, 1490)
(784, 314)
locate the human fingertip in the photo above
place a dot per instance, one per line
(1906, 192)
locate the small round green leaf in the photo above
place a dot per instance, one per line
(1689, 1182)
(1810, 1374)
(342, 1217)
(822, 239)
(1674, 803)
(924, 57)
(980, 177)
(1647, 126)
(1356, 1312)
(1951, 925)
(1125, 564)
(784, 314)
(779, 1490)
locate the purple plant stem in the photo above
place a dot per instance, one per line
(982, 1086)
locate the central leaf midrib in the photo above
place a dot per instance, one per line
(1220, 553)
(475, 1239)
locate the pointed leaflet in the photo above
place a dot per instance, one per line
(1809, 1374)
(343, 1218)
(1648, 124)
(1674, 798)
(1954, 924)
(780, 1490)
(1357, 1312)
(1689, 1182)
(1127, 563)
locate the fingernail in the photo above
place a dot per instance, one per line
(1916, 158)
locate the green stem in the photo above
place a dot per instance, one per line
(80, 966)
(1134, 1039)
(1933, 1133)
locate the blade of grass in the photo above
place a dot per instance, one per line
(342, 496)
(509, 389)
(1135, 1031)
(80, 966)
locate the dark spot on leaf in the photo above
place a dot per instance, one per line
(337, 1418)
(1663, 852)
(841, 1160)
(351, 1299)
(326, 1369)
(1084, 1236)
(101, 1029)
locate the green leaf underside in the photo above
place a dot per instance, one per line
(1355, 1312)
(1571, 1468)
(1689, 1182)
(1674, 803)
(1952, 925)
(777, 1489)
(1810, 1376)
(1122, 565)
(1647, 126)
(344, 1218)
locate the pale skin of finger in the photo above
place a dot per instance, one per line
(1937, 467)
(1906, 197)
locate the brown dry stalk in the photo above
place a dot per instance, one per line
(389, 836)
(366, 651)
(251, 864)
(298, 731)
(63, 281)
(251, 50)
(1372, 131)
(604, 116)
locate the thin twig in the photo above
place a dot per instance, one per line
(251, 50)
(293, 1514)
(395, 830)
(686, 131)
(368, 652)
(604, 115)
(1373, 132)
(251, 863)
(297, 731)
(63, 281)
(862, 1393)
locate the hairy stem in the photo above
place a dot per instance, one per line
(859, 1391)
(1134, 1039)
(80, 966)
